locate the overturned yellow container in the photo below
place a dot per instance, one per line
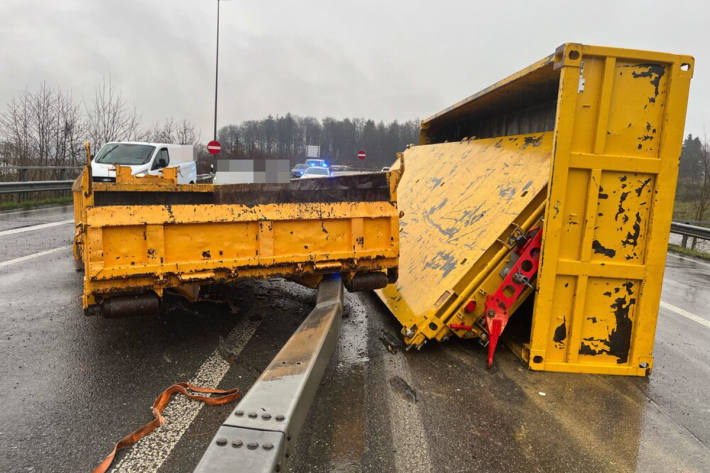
(584, 144)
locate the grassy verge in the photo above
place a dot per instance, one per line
(684, 211)
(688, 252)
(28, 204)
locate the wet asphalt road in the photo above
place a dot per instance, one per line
(74, 385)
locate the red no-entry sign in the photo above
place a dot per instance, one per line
(213, 147)
(361, 154)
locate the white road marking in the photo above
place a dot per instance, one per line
(686, 314)
(32, 256)
(149, 454)
(408, 435)
(35, 227)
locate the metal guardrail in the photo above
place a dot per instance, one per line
(690, 231)
(205, 178)
(260, 434)
(698, 223)
(39, 186)
(34, 186)
(21, 168)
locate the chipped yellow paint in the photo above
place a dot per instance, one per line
(138, 248)
(618, 140)
(167, 181)
(460, 201)
(612, 122)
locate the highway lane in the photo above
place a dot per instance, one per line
(15, 219)
(512, 419)
(73, 385)
(20, 235)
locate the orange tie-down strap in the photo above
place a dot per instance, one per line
(225, 396)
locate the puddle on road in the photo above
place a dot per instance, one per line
(335, 432)
(352, 344)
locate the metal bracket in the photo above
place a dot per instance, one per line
(516, 280)
(258, 435)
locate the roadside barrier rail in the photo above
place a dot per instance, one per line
(35, 186)
(690, 231)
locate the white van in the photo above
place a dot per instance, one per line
(144, 158)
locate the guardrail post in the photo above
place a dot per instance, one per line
(23, 177)
(690, 231)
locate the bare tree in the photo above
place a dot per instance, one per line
(43, 118)
(73, 131)
(42, 128)
(186, 133)
(109, 117)
(169, 131)
(162, 132)
(702, 204)
(15, 124)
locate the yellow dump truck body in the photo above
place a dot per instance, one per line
(150, 234)
(608, 124)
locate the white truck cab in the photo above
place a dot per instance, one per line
(144, 158)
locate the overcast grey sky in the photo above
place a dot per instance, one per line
(380, 59)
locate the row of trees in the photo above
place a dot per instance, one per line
(693, 193)
(286, 137)
(49, 127)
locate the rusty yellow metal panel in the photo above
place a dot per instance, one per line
(460, 202)
(139, 235)
(619, 125)
(611, 122)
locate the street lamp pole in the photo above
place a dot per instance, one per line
(216, 77)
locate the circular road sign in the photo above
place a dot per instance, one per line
(213, 147)
(361, 154)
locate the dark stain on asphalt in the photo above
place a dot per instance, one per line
(403, 389)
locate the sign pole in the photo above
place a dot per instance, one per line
(216, 84)
(216, 78)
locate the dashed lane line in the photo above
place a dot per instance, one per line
(685, 313)
(149, 454)
(30, 228)
(4, 264)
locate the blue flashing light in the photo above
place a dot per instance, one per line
(318, 163)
